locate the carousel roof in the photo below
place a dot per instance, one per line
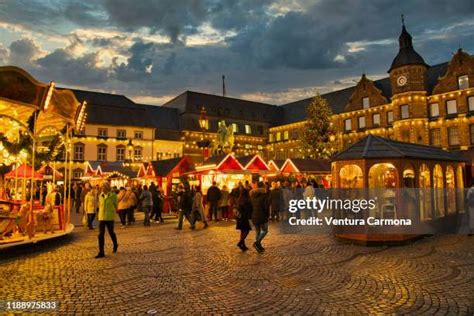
(23, 171)
(372, 147)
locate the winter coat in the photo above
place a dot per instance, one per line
(213, 194)
(308, 192)
(124, 199)
(286, 196)
(197, 202)
(259, 199)
(224, 201)
(108, 204)
(91, 202)
(275, 198)
(186, 202)
(146, 198)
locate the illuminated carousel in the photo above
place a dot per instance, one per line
(36, 124)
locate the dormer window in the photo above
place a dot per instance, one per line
(463, 82)
(365, 102)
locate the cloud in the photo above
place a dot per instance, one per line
(23, 52)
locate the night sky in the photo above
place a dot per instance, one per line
(270, 51)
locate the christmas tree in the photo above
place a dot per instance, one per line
(319, 132)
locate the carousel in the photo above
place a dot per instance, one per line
(36, 124)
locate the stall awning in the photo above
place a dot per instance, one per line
(47, 171)
(170, 167)
(116, 168)
(224, 163)
(253, 163)
(377, 147)
(24, 171)
(296, 165)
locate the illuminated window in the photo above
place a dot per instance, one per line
(435, 137)
(463, 82)
(365, 103)
(438, 185)
(434, 110)
(404, 113)
(235, 127)
(79, 151)
(278, 136)
(451, 107)
(102, 152)
(348, 125)
(77, 173)
(120, 153)
(376, 119)
(453, 136)
(470, 102)
(137, 153)
(102, 132)
(424, 179)
(121, 133)
(270, 138)
(138, 135)
(286, 135)
(361, 120)
(390, 117)
(248, 129)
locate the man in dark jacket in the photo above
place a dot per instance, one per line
(213, 197)
(259, 199)
(275, 197)
(185, 205)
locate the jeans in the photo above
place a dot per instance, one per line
(275, 214)
(123, 216)
(130, 215)
(224, 211)
(110, 228)
(213, 209)
(261, 231)
(181, 216)
(146, 210)
(90, 220)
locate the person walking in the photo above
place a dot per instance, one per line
(308, 194)
(77, 197)
(132, 204)
(243, 215)
(124, 198)
(108, 204)
(158, 208)
(91, 203)
(198, 208)
(213, 197)
(146, 202)
(185, 199)
(260, 214)
(286, 196)
(224, 203)
(275, 198)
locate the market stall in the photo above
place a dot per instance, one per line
(275, 166)
(422, 183)
(317, 169)
(256, 166)
(118, 174)
(36, 124)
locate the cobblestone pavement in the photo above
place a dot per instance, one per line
(159, 269)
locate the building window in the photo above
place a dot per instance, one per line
(235, 127)
(120, 153)
(471, 133)
(102, 132)
(270, 138)
(77, 174)
(137, 153)
(365, 103)
(348, 125)
(286, 135)
(463, 82)
(138, 135)
(121, 133)
(404, 113)
(260, 130)
(296, 134)
(361, 122)
(102, 152)
(434, 110)
(435, 137)
(389, 117)
(376, 119)
(470, 104)
(278, 136)
(79, 151)
(451, 107)
(248, 129)
(453, 136)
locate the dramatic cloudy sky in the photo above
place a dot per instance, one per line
(270, 50)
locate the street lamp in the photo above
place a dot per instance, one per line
(203, 124)
(130, 150)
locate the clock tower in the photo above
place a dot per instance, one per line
(408, 69)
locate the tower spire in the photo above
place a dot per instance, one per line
(403, 20)
(223, 86)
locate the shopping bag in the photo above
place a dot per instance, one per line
(84, 219)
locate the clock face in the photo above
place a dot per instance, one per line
(401, 81)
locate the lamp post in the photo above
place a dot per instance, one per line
(203, 124)
(130, 150)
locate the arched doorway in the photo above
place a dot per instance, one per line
(438, 190)
(384, 177)
(424, 180)
(460, 189)
(450, 190)
(351, 177)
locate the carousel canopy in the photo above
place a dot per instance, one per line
(23, 171)
(378, 147)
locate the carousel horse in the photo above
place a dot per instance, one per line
(47, 218)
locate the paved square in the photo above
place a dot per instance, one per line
(159, 269)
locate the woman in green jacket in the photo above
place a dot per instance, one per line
(108, 204)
